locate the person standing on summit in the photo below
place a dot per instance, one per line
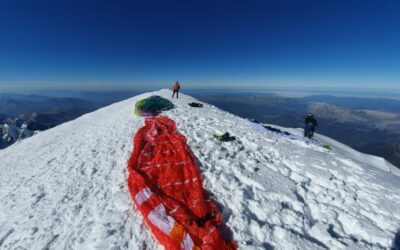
(176, 87)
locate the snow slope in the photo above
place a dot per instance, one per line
(65, 188)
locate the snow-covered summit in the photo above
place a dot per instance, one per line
(65, 188)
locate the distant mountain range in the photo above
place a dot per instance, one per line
(14, 105)
(382, 104)
(366, 124)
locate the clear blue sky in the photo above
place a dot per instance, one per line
(220, 44)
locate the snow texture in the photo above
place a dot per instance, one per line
(65, 188)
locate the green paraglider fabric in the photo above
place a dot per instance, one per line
(152, 106)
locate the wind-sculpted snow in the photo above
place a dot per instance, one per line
(65, 188)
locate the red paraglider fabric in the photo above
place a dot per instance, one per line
(166, 186)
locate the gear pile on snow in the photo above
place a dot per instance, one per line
(152, 106)
(225, 137)
(166, 186)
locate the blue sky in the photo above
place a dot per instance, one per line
(329, 44)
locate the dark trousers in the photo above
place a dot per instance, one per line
(309, 130)
(173, 94)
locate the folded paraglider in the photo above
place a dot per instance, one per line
(152, 106)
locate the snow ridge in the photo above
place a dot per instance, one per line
(65, 188)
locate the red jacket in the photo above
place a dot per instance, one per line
(176, 86)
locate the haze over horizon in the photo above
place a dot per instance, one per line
(305, 45)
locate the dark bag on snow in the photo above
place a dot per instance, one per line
(195, 104)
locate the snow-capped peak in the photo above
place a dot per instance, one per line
(65, 188)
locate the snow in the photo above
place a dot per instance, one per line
(65, 188)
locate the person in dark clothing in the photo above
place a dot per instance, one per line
(311, 124)
(176, 87)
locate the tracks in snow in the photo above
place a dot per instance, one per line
(286, 191)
